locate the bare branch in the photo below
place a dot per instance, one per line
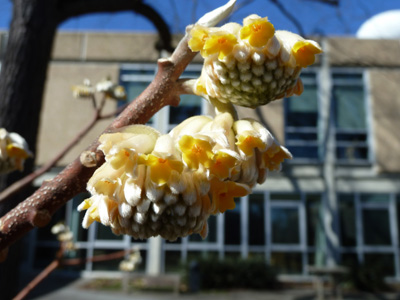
(36, 211)
(10, 191)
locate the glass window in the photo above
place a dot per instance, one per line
(256, 219)
(374, 198)
(350, 117)
(301, 114)
(173, 261)
(347, 219)
(285, 197)
(232, 225)
(285, 225)
(382, 264)
(376, 227)
(105, 233)
(398, 216)
(109, 265)
(313, 203)
(212, 232)
(190, 105)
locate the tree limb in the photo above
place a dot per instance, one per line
(73, 8)
(37, 210)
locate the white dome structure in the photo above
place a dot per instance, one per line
(385, 25)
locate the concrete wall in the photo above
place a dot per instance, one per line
(63, 116)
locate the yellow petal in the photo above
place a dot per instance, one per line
(219, 42)
(258, 32)
(199, 35)
(222, 165)
(195, 151)
(17, 152)
(304, 52)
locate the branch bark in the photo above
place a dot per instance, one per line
(37, 210)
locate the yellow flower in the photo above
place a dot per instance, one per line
(219, 42)
(196, 151)
(160, 168)
(274, 156)
(247, 143)
(304, 52)
(199, 35)
(258, 31)
(224, 194)
(223, 163)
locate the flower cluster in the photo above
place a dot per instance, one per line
(13, 151)
(250, 65)
(110, 89)
(168, 185)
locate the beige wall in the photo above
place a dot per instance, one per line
(271, 115)
(359, 52)
(63, 116)
(385, 90)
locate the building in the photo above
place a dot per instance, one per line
(337, 200)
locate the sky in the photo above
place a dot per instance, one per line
(315, 18)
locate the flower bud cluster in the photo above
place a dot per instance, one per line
(110, 89)
(250, 65)
(13, 151)
(168, 185)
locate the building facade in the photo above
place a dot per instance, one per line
(336, 202)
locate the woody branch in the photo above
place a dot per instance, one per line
(37, 210)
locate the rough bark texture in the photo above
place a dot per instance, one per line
(22, 80)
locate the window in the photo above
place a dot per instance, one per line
(369, 231)
(301, 128)
(348, 112)
(136, 77)
(351, 134)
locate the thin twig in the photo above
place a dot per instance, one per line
(59, 261)
(10, 191)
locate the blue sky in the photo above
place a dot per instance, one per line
(315, 18)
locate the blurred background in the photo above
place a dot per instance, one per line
(336, 204)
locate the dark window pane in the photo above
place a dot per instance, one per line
(375, 198)
(382, 264)
(232, 225)
(347, 220)
(304, 151)
(313, 204)
(349, 107)
(301, 136)
(212, 232)
(352, 153)
(105, 233)
(285, 225)
(282, 196)
(173, 261)
(302, 119)
(351, 137)
(398, 216)
(189, 105)
(376, 227)
(256, 219)
(287, 262)
(80, 233)
(109, 265)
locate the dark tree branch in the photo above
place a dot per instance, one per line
(73, 8)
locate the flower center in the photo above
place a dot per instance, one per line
(221, 41)
(196, 149)
(256, 27)
(162, 161)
